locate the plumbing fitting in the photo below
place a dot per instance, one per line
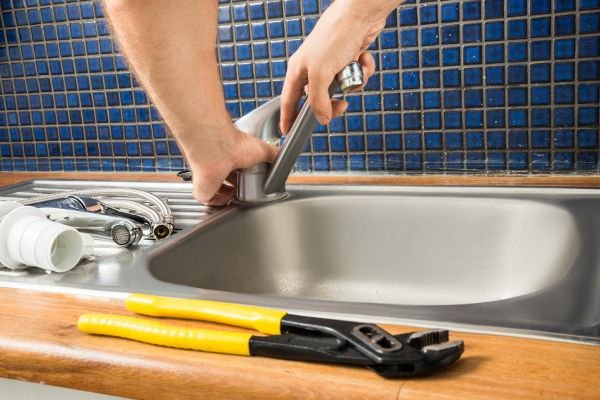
(161, 224)
(29, 239)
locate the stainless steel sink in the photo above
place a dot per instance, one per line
(384, 247)
(520, 261)
(514, 258)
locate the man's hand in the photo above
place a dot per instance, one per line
(213, 163)
(342, 35)
(171, 48)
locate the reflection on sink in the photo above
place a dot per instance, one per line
(505, 257)
(384, 249)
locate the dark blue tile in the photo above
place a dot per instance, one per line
(518, 140)
(587, 70)
(393, 142)
(541, 27)
(588, 93)
(517, 52)
(408, 16)
(494, 9)
(391, 81)
(587, 138)
(495, 119)
(564, 25)
(431, 100)
(589, 47)
(564, 72)
(564, 48)
(494, 53)
(564, 94)
(541, 50)
(540, 6)
(589, 23)
(471, 10)
(517, 96)
(494, 31)
(452, 98)
(540, 95)
(453, 120)
(496, 140)
(517, 118)
(562, 161)
(450, 12)
(412, 121)
(432, 120)
(452, 78)
(517, 74)
(430, 58)
(451, 56)
(540, 139)
(450, 34)
(410, 80)
(409, 38)
(564, 139)
(453, 140)
(473, 98)
(540, 117)
(428, 14)
(357, 162)
(517, 7)
(472, 54)
(588, 4)
(431, 79)
(410, 59)
(587, 116)
(564, 117)
(429, 36)
(471, 33)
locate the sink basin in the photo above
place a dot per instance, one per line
(383, 248)
(518, 261)
(515, 258)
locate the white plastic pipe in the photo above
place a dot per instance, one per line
(29, 239)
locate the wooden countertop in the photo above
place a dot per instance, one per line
(39, 342)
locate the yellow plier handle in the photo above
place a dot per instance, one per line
(153, 332)
(265, 320)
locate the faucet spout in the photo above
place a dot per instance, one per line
(260, 183)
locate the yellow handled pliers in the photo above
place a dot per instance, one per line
(292, 337)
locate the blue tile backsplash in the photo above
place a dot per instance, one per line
(462, 87)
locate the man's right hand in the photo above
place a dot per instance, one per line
(341, 36)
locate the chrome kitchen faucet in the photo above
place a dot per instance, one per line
(263, 183)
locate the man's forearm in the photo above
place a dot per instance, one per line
(171, 47)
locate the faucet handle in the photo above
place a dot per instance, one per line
(350, 78)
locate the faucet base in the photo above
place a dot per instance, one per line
(269, 198)
(250, 186)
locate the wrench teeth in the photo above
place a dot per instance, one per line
(428, 338)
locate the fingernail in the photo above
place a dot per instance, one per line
(323, 120)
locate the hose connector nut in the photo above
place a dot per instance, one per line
(350, 78)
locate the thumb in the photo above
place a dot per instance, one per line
(251, 151)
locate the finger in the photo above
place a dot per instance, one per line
(250, 151)
(231, 179)
(368, 64)
(222, 197)
(338, 107)
(292, 92)
(205, 186)
(318, 95)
